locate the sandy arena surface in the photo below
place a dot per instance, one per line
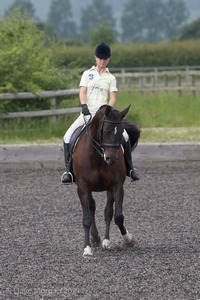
(42, 237)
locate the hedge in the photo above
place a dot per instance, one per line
(134, 55)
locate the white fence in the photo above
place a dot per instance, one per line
(181, 80)
(157, 79)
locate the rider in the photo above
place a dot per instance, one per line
(96, 86)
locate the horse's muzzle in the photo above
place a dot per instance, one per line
(110, 160)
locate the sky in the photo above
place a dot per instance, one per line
(42, 7)
(41, 13)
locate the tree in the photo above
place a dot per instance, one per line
(132, 20)
(152, 20)
(95, 14)
(61, 20)
(25, 7)
(102, 34)
(191, 31)
(154, 27)
(175, 15)
(49, 34)
(26, 64)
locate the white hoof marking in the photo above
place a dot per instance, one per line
(87, 252)
(106, 244)
(128, 239)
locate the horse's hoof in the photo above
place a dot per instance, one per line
(96, 241)
(106, 244)
(87, 253)
(128, 240)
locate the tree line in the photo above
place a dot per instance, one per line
(31, 61)
(147, 21)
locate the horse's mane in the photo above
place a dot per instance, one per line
(100, 112)
(103, 106)
(114, 113)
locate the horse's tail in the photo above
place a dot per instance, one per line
(133, 132)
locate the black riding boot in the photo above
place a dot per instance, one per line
(132, 172)
(67, 176)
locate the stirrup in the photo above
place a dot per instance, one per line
(134, 174)
(67, 182)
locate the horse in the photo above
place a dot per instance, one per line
(99, 165)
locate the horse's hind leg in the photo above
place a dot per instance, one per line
(108, 214)
(95, 239)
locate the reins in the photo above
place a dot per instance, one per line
(95, 144)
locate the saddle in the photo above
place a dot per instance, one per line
(78, 133)
(75, 137)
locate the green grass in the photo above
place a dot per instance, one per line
(34, 130)
(163, 110)
(170, 135)
(162, 118)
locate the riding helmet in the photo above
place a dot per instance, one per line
(103, 51)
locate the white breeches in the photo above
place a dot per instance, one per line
(80, 122)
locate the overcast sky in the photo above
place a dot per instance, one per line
(42, 7)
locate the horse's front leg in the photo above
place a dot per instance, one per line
(119, 217)
(95, 239)
(108, 214)
(87, 220)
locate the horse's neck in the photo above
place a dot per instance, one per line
(96, 124)
(94, 131)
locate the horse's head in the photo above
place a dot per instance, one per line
(109, 132)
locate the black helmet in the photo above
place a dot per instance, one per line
(103, 51)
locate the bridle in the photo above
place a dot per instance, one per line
(99, 146)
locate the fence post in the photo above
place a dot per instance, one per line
(123, 77)
(141, 78)
(193, 84)
(153, 81)
(179, 83)
(166, 82)
(53, 107)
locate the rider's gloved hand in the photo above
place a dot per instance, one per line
(85, 110)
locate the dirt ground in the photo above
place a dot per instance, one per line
(42, 237)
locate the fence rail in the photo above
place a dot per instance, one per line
(160, 80)
(182, 80)
(44, 94)
(52, 95)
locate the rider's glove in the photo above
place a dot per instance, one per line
(85, 110)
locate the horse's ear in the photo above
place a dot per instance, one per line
(124, 112)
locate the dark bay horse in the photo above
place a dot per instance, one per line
(99, 165)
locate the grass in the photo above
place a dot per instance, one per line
(162, 118)
(171, 135)
(161, 110)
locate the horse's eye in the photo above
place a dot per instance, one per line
(107, 129)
